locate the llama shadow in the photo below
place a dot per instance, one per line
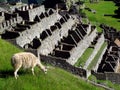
(112, 15)
(118, 20)
(5, 74)
(9, 73)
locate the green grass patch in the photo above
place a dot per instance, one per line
(6, 52)
(55, 79)
(81, 61)
(101, 8)
(94, 61)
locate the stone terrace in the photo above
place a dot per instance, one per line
(77, 41)
(9, 20)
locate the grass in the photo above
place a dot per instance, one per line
(109, 84)
(94, 61)
(55, 79)
(81, 61)
(6, 51)
(105, 82)
(101, 8)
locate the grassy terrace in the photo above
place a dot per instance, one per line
(94, 61)
(103, 8)
(55, 79)
(81, 61)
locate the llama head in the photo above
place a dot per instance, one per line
(45, 70)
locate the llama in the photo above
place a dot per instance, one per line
(26, 60)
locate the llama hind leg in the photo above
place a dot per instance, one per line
(15, 72)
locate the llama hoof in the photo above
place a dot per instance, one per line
(16, 76)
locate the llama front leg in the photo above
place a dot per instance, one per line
(33, 70)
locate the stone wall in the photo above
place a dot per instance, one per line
(81, 47)
(113, 77)
(35, 11)
(28, 35)
(63, 64)
(36, 29)
(29, 12)
(100, 58)
(8, 23)
(97, 47)
(49, 43)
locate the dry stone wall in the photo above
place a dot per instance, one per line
(6, 24)
(35, 30)
(49, 43)
(63, 64)
(113, 77)
(81, 47)
(29, 12)
(97, 47)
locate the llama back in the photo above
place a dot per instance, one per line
(24, 59)
(28, 60)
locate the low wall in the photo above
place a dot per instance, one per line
(113, 77)
(63, 64)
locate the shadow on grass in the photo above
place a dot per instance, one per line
(5, 74)
(114, 16)
(9, 73)
(118, 20)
